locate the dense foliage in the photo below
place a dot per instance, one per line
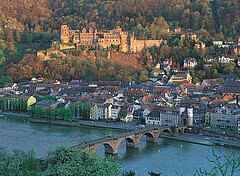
(63, 160)
(79, 110)
(13, 104)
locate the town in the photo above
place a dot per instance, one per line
(178, 102)
(119, 87)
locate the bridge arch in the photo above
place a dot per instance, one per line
(150, 137)
(166, 131)
(108, 148)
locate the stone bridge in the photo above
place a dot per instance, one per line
(111, 143)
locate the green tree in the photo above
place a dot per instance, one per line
(66, 160)
(5, 79)
(19, 163)
(88, 110)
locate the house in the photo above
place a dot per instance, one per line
(153, 118)
(191, 35)
(209, 82)
(115, 111)
(200, 45)
(190, 86)
(37, 79)
(47, 104)
(181, 77)
(158, 74)
(209, 59)
(231, 88)
(208, 117)
(9, 86)
(167, 63)
(190, 63)
(177, 30)
(124, 115)
(156, 65)
(1, 87)
(223, 59)
(218, 43)
(225, 117)
(30, 100)
(101, 111)
(134, 94)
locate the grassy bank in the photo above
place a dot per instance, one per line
(14, 116)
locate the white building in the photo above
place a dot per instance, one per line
(101, 111)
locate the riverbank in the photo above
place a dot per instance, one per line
(14, 115)
(84, 123)
(91, 124)
(203, 140)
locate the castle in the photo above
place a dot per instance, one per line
(91, 37)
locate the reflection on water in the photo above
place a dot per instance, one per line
(166, 156)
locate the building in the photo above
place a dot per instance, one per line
(134, 94)
(101, 111)
(180, 78)
(124, 115)
(190, 63)
(171, 116)
(238, 125)
(209, 82)
(209, 60)
(223, 59)
(225, 117)
(153, 118)
(124, 40)
(200, 45)
(218, 43)
(231, 88)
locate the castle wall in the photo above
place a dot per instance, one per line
(138, 45)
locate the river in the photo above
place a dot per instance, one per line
(166, 156)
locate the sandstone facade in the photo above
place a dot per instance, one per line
(125, 40)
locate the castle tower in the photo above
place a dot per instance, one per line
(124, 45)
(132, 43)
(64, 33)
(190, 114)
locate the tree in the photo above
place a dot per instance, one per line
(88, 110)
(18, 35)
(19, 163)
(144, 75)
(5, 79)
(223, 164)
(66, 160)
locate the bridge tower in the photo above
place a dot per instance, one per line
(190, 114)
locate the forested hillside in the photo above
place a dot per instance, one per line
(26, 26)
(143, 16)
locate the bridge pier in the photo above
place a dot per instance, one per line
(132, 144)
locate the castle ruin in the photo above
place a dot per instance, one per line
(115, 37)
